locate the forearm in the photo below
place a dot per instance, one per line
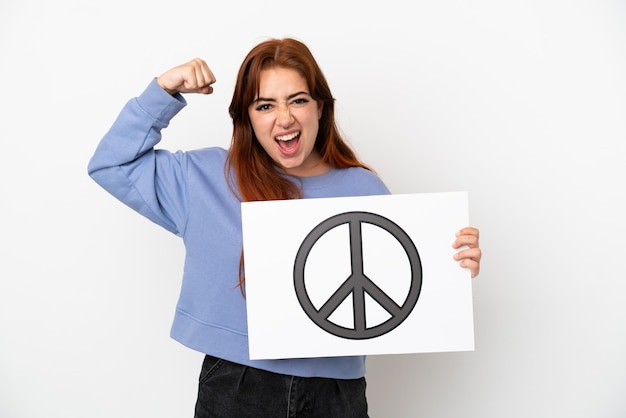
(137, 129)
(125, 162)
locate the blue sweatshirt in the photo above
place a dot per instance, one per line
(187, 193)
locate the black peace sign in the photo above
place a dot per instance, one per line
(358, 283)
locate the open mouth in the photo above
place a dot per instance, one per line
(288, 143)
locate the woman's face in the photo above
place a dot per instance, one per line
(285, 119)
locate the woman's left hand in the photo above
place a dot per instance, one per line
(469, 257)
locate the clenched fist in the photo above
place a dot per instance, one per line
(194, 76)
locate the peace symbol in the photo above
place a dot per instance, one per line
(357, 284)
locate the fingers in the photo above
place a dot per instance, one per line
(194, 76)
(199, 77)
(467, 236)
(471, 255)
(473, 266)
(470, 259)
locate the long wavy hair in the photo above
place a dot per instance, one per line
(254, 171)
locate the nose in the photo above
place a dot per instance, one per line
(284, 118)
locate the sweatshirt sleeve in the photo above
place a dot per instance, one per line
(125, 163)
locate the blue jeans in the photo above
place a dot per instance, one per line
(230, 390)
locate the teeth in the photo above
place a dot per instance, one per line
(287, 137)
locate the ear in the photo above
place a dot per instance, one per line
(320, 107)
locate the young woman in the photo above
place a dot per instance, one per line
(285, 145)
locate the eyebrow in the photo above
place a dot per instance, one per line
(291, 96)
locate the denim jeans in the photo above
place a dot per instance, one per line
(231, 390)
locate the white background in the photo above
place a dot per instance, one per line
(521, 103)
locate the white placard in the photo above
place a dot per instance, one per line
(356, 276)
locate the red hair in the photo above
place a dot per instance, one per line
(254, 171)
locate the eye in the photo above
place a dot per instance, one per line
(300, 101)
(263, 107)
